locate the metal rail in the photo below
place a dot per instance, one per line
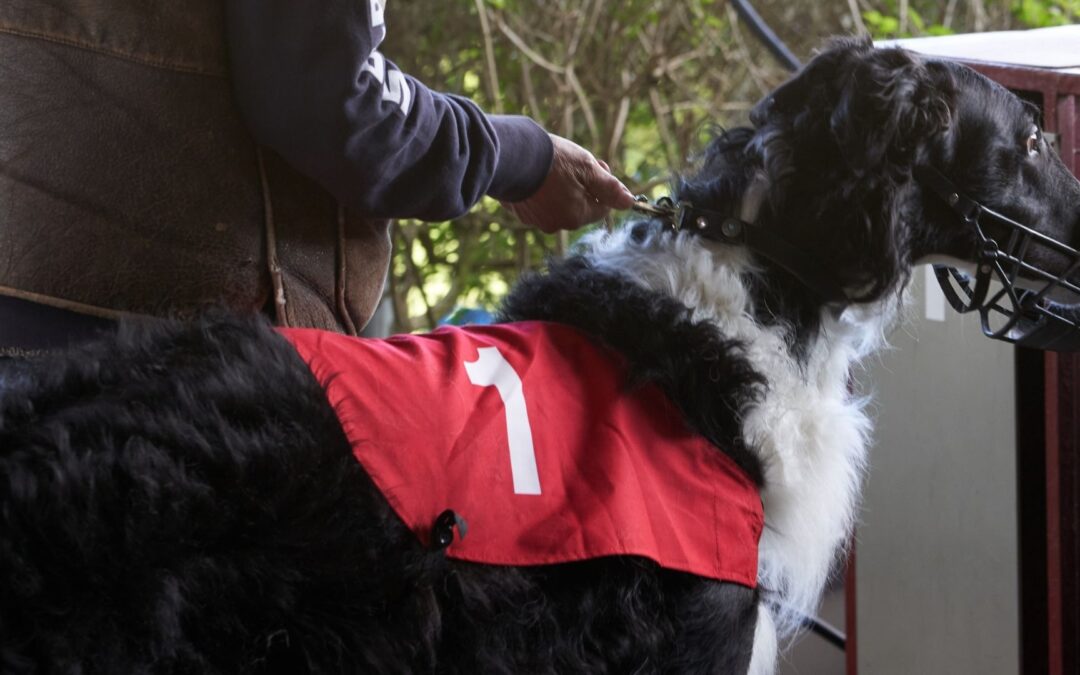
(766, 35)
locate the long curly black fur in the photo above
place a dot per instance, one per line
(837, 145)
(182, 499)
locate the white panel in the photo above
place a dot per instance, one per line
(937, 580)
(934, 299)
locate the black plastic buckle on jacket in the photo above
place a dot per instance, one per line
(442, 531)
(725, 229)
(1020, 316)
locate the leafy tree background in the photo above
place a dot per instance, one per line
(641, 83)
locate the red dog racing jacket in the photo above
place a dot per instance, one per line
(529, 434)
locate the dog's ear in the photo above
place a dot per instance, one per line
(813, 86)
(843, 136)
(891, 106)
(877, 105)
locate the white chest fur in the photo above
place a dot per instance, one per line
(809, 431)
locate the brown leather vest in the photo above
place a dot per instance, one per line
(128, 182)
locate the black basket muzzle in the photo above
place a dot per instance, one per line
(1012, 294)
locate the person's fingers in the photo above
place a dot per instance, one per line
(551, 217)
(609, 190)
(578, 190)
(592, 213)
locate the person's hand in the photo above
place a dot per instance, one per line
(579, 189)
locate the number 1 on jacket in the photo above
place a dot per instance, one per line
(492, 369)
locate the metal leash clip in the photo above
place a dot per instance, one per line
(664, 207)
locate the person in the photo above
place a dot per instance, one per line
(159, 158)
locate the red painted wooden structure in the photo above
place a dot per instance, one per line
(1043, 67)
(1048, 425)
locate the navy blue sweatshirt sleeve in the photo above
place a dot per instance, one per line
(313, 87)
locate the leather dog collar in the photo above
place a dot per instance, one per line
(727, 229)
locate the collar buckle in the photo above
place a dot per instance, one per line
(664, 208)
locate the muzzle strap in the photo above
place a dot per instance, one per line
(1012, 314)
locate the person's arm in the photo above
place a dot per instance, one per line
(312, 86)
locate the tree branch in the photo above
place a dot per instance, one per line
(666, 138)
(856, 16)
(530, 92)
(414, 272)
(494, 92)
(526, 50)
(619, 127)
(586, 108)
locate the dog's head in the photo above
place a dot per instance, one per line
(842, 147)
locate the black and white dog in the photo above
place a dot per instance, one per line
(183, 499)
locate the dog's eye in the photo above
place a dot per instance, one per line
(1033, 143)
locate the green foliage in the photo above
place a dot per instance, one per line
(641, 83)
(643, 107)
(888, 19)
(1039, 13)
(881, 25)
(892, 22)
